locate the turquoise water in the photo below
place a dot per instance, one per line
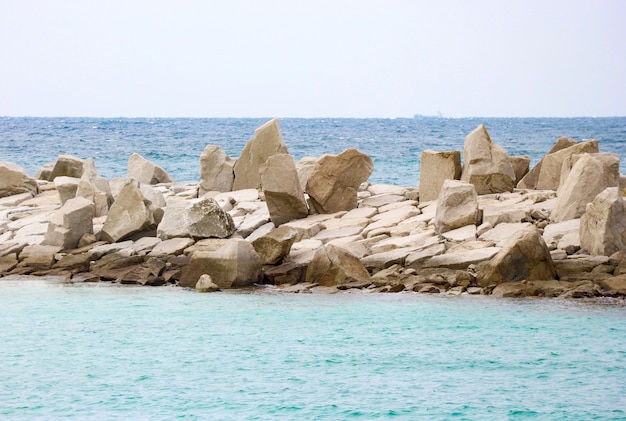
(395, 145)
(118, 352)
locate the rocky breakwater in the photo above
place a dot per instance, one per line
(488, 225)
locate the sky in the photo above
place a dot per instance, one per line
(323, 58)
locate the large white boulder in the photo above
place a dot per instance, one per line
(335, 180)
(603, 226)
(282, 189)
(68, 224)
(206, 219)
(457, 206)
(591, 174)
(216, 170)
(267, 141)
(129, 214)
(15, 180)
(486, 165)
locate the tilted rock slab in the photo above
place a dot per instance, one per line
(145, 171)
(15, 180)
(334, 183)
(267, 141)
(282, 189)
(205, 218)
(486, 165)
(603, 226)
(435, 168)
(525, 256)
(95, 188)
(233, 265)
(129, 214)
(333, 265)
(68, 224)
(173, 225)
(67, 165)
(550, 173)
(457, 206)
(529, 181)
(521, 166)
(216, 170)
(591, 174)
(67, 187)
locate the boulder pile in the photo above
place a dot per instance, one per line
(488, 226)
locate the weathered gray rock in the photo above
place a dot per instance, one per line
(145, 171)
(457, 206)
(171, 247)
(435, 168)
(206, 219)
(282, 189)
(267, 141)
(603, 226)
(335, 180)
(14, 180)
(590, 175)
(236, 264)
(332, 265)
(276, 245)
(524, 256)
(128, 215)
(515, 290)
(67, 187)
(216, 170)
(486, 165)
(70, 223)
(206, 284)
(67, 165)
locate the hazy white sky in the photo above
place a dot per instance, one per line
(323, 58)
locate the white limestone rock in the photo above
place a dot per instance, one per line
(216, 170)
(206, 219)
(435, 168)
(15, 180)
(457, 206)
(70, 223)
(145, 171)
(603, 226)
(282, 189)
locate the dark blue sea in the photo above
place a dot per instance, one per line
(395, 145)
(110, 352)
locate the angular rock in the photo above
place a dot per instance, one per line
(335, 180)
(276, 245)
(550, 174)
(14, 180)
(603, 226)
(67, 165)
(460, 259)
(171, 247)
(524, 256)
(173, 225)
(216, 170)
(515, 290)
(521, 166)
(435, 168)
(38, 257)
(457, 206)
(70, 223)
(286, 273)
(67, 187)
(206, 284)
(615, 285)
(530, 180)
(305, 167)
(283, 193)
(587, 178)
(332, 265)
(486, 165)
(267, 141)
(206, 219)
(234, 265)
(145, 171)
(128, 215)
(95, 188)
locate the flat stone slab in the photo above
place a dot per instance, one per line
(461, 259)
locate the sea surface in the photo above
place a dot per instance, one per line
(395, 145)
(100, 351)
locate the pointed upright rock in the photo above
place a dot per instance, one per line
(283, 193)
(486, 165)
(216, 170)
(129, 214)
(267, 141)
(145, 171)
(603, 226)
